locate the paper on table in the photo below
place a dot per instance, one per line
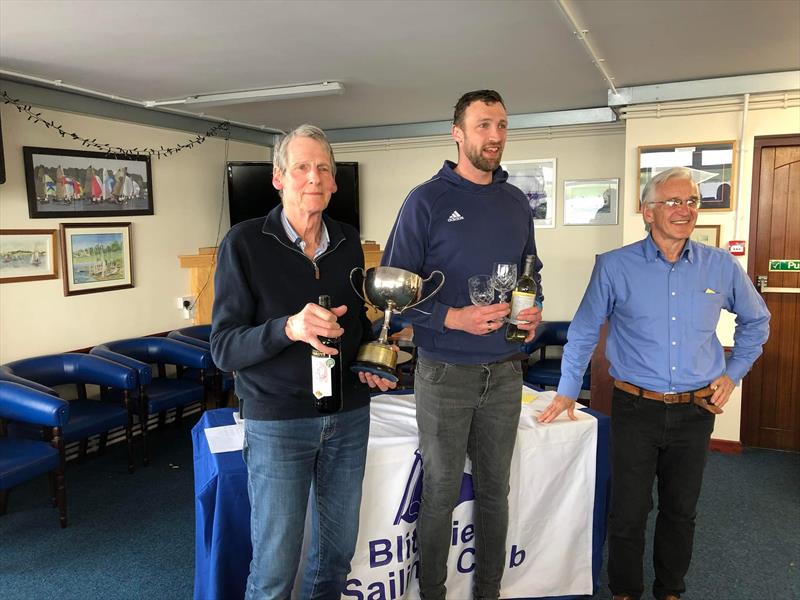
(228, 438)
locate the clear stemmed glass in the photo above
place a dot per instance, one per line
(504, 277)
(481, 290)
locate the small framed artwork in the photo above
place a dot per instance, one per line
(713, 165)
(74, 183)
(706, 234)
(96, 257)
(27, 255)
(537, 180)
(591, 201)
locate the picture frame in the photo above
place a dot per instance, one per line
(713, 163)
(96, 257)
(76, 183)
(707, 234)
(591, 201)
(28, 255)
(537, 180)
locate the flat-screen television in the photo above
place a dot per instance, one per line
(251, 195)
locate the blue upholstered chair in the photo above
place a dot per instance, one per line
(22, 459)
(543, 371)
(199, 335)
(157, 393)
(88, 416)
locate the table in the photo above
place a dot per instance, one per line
(558, 506)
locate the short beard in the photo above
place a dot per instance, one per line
(487, 165)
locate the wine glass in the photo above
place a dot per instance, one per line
(481, 290)
(504, 277)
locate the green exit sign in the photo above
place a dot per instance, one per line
(784, 265)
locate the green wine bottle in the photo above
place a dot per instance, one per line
(523, 296)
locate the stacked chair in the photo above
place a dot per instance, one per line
(545, 372)
(87, 416)
(22, 459)
(199, 335)
(157, 392)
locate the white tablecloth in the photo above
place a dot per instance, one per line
(549, 545)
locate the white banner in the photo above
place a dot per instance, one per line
(549, 544)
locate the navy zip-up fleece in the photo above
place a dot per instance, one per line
(262, 279)
(460, 228)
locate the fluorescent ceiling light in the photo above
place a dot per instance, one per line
(309, 90)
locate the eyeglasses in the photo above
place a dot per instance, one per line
(673, 202)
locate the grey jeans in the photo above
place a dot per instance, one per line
(465, 410)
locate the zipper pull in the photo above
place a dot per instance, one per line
(316, 272)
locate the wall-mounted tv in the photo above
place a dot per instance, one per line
(251, 195)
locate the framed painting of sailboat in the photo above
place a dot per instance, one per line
(27, 255)
(75, 183)
(96, 257)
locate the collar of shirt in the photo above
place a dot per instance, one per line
(651, 251)
(294, 237)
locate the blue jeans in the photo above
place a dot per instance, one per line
(285, 461)
(650, 440)
(465, 410)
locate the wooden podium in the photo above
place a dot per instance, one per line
(201, 278)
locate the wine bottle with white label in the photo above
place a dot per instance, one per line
(326, 372)
(523, 296)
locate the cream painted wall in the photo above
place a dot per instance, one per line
(36, 317)
(388, 170)
(708, 127)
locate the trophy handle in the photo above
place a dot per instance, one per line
(353, 285)
(433, 293)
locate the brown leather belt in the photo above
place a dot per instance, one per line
(696, 396)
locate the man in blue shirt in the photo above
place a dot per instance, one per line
(662, 297)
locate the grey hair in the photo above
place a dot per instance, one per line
(280, 152)
(649, 191)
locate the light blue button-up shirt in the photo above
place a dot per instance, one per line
(663, 317)
(294, 237)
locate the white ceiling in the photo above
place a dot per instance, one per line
(400, 62)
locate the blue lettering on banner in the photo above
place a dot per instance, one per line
(514, 555)
(400, 552)
(394, 587)
(383, 551)
(466, 561)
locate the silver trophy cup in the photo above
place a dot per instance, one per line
(393, 291)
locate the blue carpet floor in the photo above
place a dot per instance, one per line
(132, 536)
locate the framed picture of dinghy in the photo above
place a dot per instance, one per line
(75, 183)
(96, 257)
(28, 255)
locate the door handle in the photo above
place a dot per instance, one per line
(761, 282)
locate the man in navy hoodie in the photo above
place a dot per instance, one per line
(270, 274)
(467, 385)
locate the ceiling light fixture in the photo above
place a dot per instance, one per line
(308, 90)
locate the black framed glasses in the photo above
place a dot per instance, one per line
(692, 202)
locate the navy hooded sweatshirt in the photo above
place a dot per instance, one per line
(461, 228)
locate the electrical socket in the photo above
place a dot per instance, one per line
(186, 304)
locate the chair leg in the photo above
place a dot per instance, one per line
(162, 419)
(3, 501)
(103, 441)
(82, 447)
(143, 424)
(178, 416)
(129, 441)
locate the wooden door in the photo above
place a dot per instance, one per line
(771, 392)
